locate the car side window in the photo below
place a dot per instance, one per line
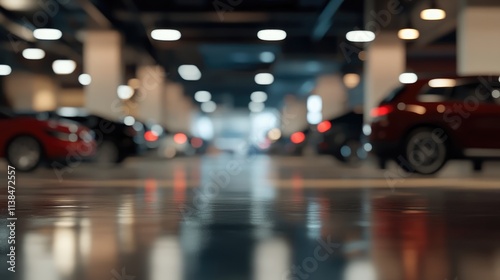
(474, 92)
(434, 94)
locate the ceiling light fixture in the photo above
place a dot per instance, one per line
(360, 36)
(271, 35)
(85, 79)
(408, 78)
(264, 79)
(124, 92)
(189, 72)
(47, 34)
(33, 53)
(202, 96)
(258, 96)
(63, 66)
(5, 70)
(433, 12)
(166, 34)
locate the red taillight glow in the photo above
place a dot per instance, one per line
(381, 111)
(196, 143)
(324, 126)
(298, 137)
(180, 138)
(150, 136)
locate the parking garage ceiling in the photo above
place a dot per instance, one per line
(218, 36)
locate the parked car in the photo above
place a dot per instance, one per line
(342, 138)
(115, 140)
(294, 144)
(425, 124)
(26, 142)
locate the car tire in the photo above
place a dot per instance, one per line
(107, 154)
(423, 153)
(24, 153)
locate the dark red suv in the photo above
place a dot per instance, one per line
(425, 124)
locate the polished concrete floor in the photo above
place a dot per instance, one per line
(256, 218)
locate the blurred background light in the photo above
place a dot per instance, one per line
(314, 103)
(408, 34)
(33, 53)
(271, 35)
(258, 96)
(267, 57)
(5, 70)
(189, 72)
(202, 96)
(437, 83)
(129, 120)
(274, 134)
(208, 107)
(351, 80)
(166, 34)
(433, 14)
(360, 36)
(314, 117)
(63, 66)
(84, 79)
(18, 5)
(264, 79)
(408, 78)
(125, 92)
(134, 83)
(47, 34)
(256, 107)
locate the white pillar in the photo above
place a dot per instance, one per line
(333, 95)
(151, 93)
(293, 115)
(478, 39)
(102, 59)
(386, 60)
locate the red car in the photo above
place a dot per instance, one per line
(425, 124)
(26, 142)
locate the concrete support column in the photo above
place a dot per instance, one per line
(386, 57)
(478, 38)
(293, 115)
(151, 93)
(333, 94)
(31, 92)
(178, 108)
(102, 59)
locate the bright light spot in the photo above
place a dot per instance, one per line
(63, 66)
(166, 34)
(180, 138)
(208, 107)
(324, 126)
(157, 129)
(202, 96)
(196, 142)
(150, 136)
(495, 93)
(47, 34)
(68, 112)
(264, 79)
(368, 147)
(5, 70)
(345, 151)
(408, 34)
(138, 126)
(271, 35)
(408, 78)
(267, 57)
(134, 83)
(437, 83)
(256, 107)
(367, 129)
(125, 92)
(441, 108)
(84, 79)
(432, 14)
(189, 72)
(360, 36)
(274, 134)
(314, 117)
(129, 120)
(298, 137)
(351, 80)
(314, 103)
(204, 128)
(258, 96)
(33, 53)
(362, 55)
(18, 5)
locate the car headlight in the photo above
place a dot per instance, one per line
(65, 136)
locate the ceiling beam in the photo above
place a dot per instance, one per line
(325, 19)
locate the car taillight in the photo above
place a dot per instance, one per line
(180, 138)
(150, 136)
(382, 111)
(324, 126)
(297, 137)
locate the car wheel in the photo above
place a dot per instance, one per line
(24, 153)
(424, 153)
(107, 154)
(352, 152)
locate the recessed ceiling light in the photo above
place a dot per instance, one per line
(124, 92)
(47, 34)
(314, 103)
(351, 80)
(5, 70)
(267, 57)
(408, 34)
(166, 34)
(408, 78)
(256, 107)
(360, 36)
(189, 72)
(202, 96)
(63, 66)
(208, 107)
(33, 53)
(264, 79)
(129, 120)
(271, 35)
(258, 96)
(433, 14)
(84, 79)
